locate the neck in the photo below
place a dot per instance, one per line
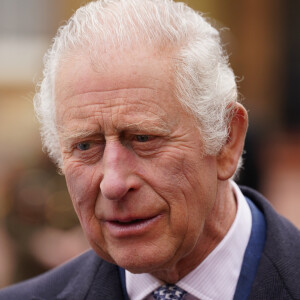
(216, 227)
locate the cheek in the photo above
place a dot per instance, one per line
(173, 176)
(167, 179)
(188, 188)
(164, 172)
(83, 187)
(201, 176)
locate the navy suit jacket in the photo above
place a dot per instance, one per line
(89, 277)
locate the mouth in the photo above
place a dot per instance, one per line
(130, 227)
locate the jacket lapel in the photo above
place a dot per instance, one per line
(278, 273)
(106, 284)
(97, 280)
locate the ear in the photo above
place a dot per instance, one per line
(228, 157)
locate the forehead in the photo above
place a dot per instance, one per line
(136, 77)
(125, 90)
(80, 72)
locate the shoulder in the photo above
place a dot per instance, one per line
(279, 270)
(81, 270)
(277, 225)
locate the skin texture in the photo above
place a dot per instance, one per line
(147, 196)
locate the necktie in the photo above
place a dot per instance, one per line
(168, 291)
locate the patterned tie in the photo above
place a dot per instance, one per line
(168, 291)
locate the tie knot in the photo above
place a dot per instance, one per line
(168, 291)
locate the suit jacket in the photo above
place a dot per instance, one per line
(89, 277)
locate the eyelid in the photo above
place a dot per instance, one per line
(91, 142)
(74, 138)
(150, 137)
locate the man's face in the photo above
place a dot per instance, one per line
(133, 161)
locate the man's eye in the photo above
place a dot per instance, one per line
(143, 138)
(84, 146)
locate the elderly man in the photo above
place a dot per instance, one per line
(139, 110)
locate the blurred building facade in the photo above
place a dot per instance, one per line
(38, 228)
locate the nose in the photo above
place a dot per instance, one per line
(118, 177)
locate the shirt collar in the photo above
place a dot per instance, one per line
(217, 276)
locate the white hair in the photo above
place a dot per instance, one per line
(204, 82)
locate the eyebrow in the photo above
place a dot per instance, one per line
(71, 135)
(159, 128)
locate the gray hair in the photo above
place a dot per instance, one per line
(204, 82)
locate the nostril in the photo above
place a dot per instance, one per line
(131, 189)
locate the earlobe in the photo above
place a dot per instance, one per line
(227, 159)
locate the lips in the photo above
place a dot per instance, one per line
(125, 227)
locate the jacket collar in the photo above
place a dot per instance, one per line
(278, 273)
(98, 279)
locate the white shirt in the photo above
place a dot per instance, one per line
(217, 276)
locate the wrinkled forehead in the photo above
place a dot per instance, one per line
(130, 90)
(111, 70)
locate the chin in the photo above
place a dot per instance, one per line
(147, 261)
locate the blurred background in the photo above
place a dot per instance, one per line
(38, 227)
